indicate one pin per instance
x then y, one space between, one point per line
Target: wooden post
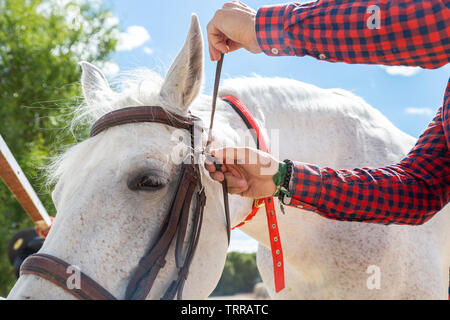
17 182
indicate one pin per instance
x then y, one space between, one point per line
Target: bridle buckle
258 203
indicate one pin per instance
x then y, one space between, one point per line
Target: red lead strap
274 233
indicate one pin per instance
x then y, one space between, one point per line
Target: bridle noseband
175 225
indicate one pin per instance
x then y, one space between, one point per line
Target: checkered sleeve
410 192
390 32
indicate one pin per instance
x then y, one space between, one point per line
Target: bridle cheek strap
153 261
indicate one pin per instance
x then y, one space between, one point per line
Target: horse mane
294 96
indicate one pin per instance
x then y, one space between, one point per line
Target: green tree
41 43
240 274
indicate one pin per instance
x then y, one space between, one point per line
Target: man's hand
232 28
249 172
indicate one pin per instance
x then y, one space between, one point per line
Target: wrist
279 177
282 178
255 48
270 28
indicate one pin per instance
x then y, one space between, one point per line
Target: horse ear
184 78
93 83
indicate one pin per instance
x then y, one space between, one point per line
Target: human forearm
410 192
385 195
410 32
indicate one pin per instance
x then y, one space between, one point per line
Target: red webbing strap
256 205
274 234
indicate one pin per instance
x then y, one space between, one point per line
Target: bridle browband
175 225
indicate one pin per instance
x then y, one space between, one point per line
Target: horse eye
148 182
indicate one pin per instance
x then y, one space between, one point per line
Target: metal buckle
258 204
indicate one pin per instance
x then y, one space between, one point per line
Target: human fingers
233 46
235 4
217 176
210 167
217 40
232 155
230 4
235 184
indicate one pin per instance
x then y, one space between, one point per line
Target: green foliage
40 47
239 275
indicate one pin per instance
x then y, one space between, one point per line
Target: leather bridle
175 226
189 186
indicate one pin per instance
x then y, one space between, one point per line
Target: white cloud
133 38
401 70
420 111
111 21
148 50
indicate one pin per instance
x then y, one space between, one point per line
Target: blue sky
154 31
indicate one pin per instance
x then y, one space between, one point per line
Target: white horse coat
104 228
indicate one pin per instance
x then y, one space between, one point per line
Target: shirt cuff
271 33
305 187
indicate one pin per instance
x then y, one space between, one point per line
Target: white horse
104 228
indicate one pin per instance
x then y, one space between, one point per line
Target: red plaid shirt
413 33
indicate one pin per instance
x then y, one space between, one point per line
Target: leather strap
214 98
151 263
142 114
208 144
56 271
177 285
274 233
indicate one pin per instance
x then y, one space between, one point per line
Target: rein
208 144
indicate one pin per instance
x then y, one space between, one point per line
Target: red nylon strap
274 234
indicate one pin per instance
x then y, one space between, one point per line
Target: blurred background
42 41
